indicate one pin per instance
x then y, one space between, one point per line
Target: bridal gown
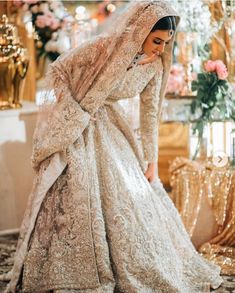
139 242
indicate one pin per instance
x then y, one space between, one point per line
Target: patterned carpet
7 250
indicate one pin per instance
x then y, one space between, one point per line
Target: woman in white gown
98 220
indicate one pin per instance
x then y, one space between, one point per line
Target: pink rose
42 21
176 80
54 24
221 70
177 69
223 74
210 66
47 20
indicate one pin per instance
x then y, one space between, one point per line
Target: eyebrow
162 39
159 39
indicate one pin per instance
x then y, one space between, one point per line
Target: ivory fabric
93 221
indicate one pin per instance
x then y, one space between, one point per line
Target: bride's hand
150 174
148 59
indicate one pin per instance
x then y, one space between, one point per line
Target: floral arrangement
176 81
49 18
196 17
214 100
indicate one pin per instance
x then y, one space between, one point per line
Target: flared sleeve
69 78
61 123
150 111
65 124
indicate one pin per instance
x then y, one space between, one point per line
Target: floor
7 249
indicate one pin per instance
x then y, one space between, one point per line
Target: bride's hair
165 23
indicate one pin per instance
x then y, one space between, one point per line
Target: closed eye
157 42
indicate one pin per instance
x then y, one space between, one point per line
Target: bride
98 219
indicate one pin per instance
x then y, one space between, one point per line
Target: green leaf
201 94
194 86
226 86
193 108
201 77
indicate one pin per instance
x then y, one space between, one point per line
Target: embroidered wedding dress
94 224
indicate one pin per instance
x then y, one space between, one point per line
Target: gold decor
223 43
173 142
192 183
13 66
26 35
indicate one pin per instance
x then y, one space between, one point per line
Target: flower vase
199 144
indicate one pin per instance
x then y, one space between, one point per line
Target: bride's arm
149 119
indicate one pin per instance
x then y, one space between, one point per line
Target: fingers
148 59
147 174
150 173
150 176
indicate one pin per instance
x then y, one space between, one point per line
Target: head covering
120 44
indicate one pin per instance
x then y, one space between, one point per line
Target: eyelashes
159 42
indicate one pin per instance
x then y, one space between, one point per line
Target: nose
161 48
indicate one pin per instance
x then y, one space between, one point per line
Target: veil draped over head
99 62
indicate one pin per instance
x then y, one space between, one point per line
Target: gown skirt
140 243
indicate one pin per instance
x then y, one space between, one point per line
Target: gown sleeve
66 123
149 117
62 124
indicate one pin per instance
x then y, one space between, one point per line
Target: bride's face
156 42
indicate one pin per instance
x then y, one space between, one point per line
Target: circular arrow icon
220 159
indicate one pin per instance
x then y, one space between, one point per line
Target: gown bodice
134 81
143 80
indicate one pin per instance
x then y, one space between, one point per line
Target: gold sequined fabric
93 221
192 180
